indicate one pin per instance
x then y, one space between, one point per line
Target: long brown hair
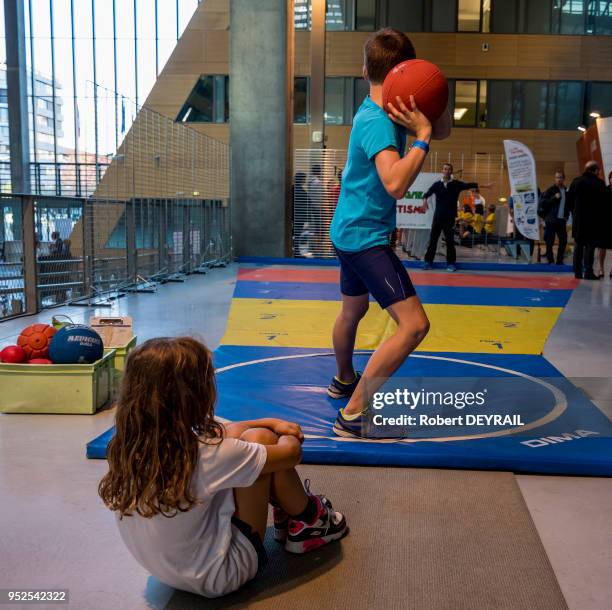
165 411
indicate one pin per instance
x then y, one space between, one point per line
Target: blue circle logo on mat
76 344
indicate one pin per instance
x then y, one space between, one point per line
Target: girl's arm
278 426
286 454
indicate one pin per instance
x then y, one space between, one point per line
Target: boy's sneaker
426 266
281 524
451 268
328 525
351 428
339 389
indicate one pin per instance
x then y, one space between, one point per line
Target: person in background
316 196
301 209
474 198
490 221
464 220
447 191
586 198
554 211
478 219
56 246
605 240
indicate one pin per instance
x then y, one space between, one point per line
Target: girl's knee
263 436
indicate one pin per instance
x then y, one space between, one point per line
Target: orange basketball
422 79
35 339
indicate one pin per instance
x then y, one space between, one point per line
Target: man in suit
586 197
554 210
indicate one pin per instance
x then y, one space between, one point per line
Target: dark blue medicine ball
76 344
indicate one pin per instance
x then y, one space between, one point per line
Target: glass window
186 8
361 90
466 96
301 12
365 15
502 105
145 22
105 78
504 16
443 15
469 16
482 104
403 17
335 102
600 99
565 105
208 102
338 15
533 104
538 14
599 17
568 17
166 30
300 99
486 16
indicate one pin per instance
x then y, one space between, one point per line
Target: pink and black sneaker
328 525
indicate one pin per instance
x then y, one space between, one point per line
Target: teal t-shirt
365 214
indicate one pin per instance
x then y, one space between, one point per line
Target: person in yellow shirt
478 221
490 223
464 219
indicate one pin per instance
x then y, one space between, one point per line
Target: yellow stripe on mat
454 328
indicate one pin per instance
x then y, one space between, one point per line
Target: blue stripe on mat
332 262
450 295
290 384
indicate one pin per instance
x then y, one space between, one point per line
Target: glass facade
581 17
91 64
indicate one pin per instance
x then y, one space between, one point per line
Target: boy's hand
285 428
410 118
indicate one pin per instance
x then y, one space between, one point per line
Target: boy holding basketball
377 174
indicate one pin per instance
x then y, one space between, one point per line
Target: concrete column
17 95
260 125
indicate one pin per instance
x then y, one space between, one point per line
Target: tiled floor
56 533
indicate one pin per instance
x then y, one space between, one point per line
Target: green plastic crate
57 388
121 353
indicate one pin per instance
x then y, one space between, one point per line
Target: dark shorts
376 270
254 539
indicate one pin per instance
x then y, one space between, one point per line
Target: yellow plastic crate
57 388
121 353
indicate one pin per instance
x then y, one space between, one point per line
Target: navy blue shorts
376 270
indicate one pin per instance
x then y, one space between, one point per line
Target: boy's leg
412 327
345 331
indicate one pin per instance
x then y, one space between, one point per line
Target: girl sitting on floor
191 495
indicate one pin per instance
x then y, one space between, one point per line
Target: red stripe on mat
419 278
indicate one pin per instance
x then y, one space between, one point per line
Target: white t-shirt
200 550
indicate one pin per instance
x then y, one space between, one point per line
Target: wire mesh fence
317 183
157 211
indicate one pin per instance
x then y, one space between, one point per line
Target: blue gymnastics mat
560 430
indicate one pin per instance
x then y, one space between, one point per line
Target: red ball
422 79
40 361
13 354
35 340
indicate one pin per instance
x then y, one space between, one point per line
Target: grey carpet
420 539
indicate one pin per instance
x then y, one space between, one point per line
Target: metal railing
316 188
157 212
86 250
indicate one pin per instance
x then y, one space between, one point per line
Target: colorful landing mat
488 332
